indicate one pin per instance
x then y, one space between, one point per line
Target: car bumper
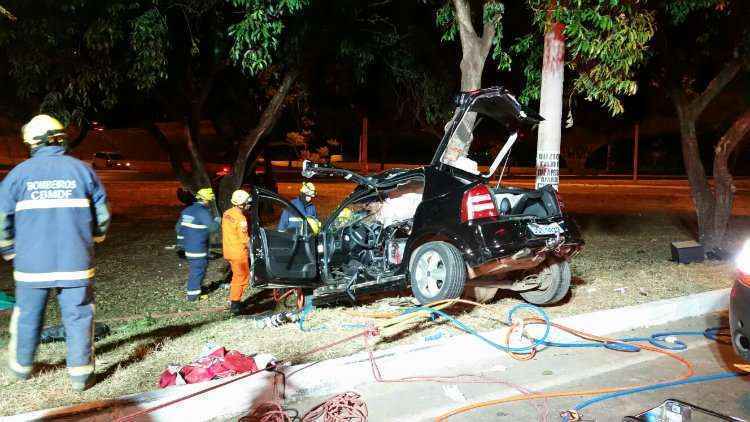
502 246
739 318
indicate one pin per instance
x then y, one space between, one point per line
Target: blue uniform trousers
77 311
197 268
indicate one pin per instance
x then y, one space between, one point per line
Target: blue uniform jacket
52 208
288 220
194 230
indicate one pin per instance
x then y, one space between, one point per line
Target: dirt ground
140 294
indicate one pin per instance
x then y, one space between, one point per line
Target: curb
340 374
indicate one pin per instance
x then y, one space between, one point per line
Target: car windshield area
384 207
480 135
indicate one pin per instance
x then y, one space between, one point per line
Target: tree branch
4 11
488 34
465 27
736 133
717 84
267 120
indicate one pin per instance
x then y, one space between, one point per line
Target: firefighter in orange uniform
235 243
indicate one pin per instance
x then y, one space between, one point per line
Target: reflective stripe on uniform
195 255
6 243
180 237
13 345
194 226
31 204
295 219
193 292
54 276
78 371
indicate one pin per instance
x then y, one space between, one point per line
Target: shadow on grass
157 335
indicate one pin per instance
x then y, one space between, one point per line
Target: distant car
440 228
739 305
111 161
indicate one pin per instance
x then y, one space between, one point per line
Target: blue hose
691 380
467 329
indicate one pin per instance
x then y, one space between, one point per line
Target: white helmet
240 197
42 129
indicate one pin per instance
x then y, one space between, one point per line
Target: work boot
82 383
235 307
192 298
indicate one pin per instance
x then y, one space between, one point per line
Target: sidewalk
558 369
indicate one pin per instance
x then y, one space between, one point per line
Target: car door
280 257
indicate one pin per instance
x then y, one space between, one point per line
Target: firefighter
235 243
303 204
194 233
52 209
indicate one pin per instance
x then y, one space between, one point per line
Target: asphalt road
138 193
152 195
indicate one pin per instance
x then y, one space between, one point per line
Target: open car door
281 255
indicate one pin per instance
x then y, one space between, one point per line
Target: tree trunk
185 180
712 209
474 48
199 173
724 188
267 121
701 192
550 107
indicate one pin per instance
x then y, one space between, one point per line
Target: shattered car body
440 228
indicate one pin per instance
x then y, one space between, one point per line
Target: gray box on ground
687 252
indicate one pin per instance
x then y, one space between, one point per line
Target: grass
140 294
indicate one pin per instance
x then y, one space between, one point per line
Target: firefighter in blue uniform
194 232
52 209
303 204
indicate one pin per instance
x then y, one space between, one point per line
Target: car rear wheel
554 283
437 272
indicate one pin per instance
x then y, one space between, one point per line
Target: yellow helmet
240 197
314 224
308 189
42 129
205 194
345 214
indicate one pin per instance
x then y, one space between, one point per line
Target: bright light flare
743 259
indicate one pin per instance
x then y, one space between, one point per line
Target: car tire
436 272
555 283
481 294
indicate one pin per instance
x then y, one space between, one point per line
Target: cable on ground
692 380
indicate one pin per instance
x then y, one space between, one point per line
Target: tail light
477 203
743 264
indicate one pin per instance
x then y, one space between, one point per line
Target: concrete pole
550 107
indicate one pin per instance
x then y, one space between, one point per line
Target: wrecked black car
441 228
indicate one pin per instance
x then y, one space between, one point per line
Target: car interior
369 234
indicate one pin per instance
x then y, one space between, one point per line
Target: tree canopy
606 41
